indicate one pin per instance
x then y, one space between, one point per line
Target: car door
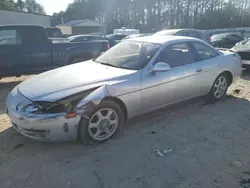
181 82
36 51
207 62
10 51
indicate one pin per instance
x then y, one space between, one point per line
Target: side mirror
160 67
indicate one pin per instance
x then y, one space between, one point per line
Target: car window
177 55
235 37
82 39
204 51
119 37
9 37
181 33
37 35
193 34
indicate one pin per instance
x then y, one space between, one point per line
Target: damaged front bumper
42 127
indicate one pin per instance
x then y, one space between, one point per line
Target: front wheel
219 88
106 120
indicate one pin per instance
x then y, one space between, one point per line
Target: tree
33 7
152 15
20 5
7 5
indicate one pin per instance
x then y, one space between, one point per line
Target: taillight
107 46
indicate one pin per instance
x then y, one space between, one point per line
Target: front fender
89 103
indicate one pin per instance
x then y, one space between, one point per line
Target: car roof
160 39
174 31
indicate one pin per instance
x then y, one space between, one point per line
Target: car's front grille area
244 55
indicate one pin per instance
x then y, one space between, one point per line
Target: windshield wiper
103 63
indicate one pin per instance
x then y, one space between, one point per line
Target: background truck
28 50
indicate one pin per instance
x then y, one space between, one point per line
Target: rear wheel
219 88
106 120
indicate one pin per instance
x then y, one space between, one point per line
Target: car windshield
247 42
129 55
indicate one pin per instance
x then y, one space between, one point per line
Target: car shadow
149 123
246 75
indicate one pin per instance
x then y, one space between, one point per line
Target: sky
52 6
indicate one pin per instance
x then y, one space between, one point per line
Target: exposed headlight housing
65 105
47 108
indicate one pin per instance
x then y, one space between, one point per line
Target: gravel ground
209 148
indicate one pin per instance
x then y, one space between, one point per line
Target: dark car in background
115 38
92 37
83 38
26 49
225 40
186 32
243 49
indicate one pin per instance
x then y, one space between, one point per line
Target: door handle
199 70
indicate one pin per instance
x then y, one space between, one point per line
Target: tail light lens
107 46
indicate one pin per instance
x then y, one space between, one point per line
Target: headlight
65 105
45 107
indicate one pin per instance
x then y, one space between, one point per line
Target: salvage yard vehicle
92 100
243 49
225 40
199 34
28 50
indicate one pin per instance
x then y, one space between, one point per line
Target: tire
87 135
218 91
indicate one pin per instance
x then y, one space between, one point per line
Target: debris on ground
18 146
153 132
167 151
160 154
237 164
237 91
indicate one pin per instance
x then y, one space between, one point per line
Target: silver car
92 100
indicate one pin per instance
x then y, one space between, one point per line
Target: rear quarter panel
231 61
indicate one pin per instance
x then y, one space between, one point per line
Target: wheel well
121 104
230 77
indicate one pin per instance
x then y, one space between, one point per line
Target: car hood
62 82
241 48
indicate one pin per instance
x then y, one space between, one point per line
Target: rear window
204 51
54 33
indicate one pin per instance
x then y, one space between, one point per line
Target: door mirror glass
161 67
